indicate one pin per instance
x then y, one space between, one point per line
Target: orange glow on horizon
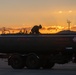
44 30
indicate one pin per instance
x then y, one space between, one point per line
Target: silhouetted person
35 29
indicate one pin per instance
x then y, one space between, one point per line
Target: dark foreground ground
66 69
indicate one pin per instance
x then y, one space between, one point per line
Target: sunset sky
23 13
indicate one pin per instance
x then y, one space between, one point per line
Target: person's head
40 26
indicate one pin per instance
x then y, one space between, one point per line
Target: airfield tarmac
66 69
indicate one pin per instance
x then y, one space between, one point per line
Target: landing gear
16 62
32 62
47 64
